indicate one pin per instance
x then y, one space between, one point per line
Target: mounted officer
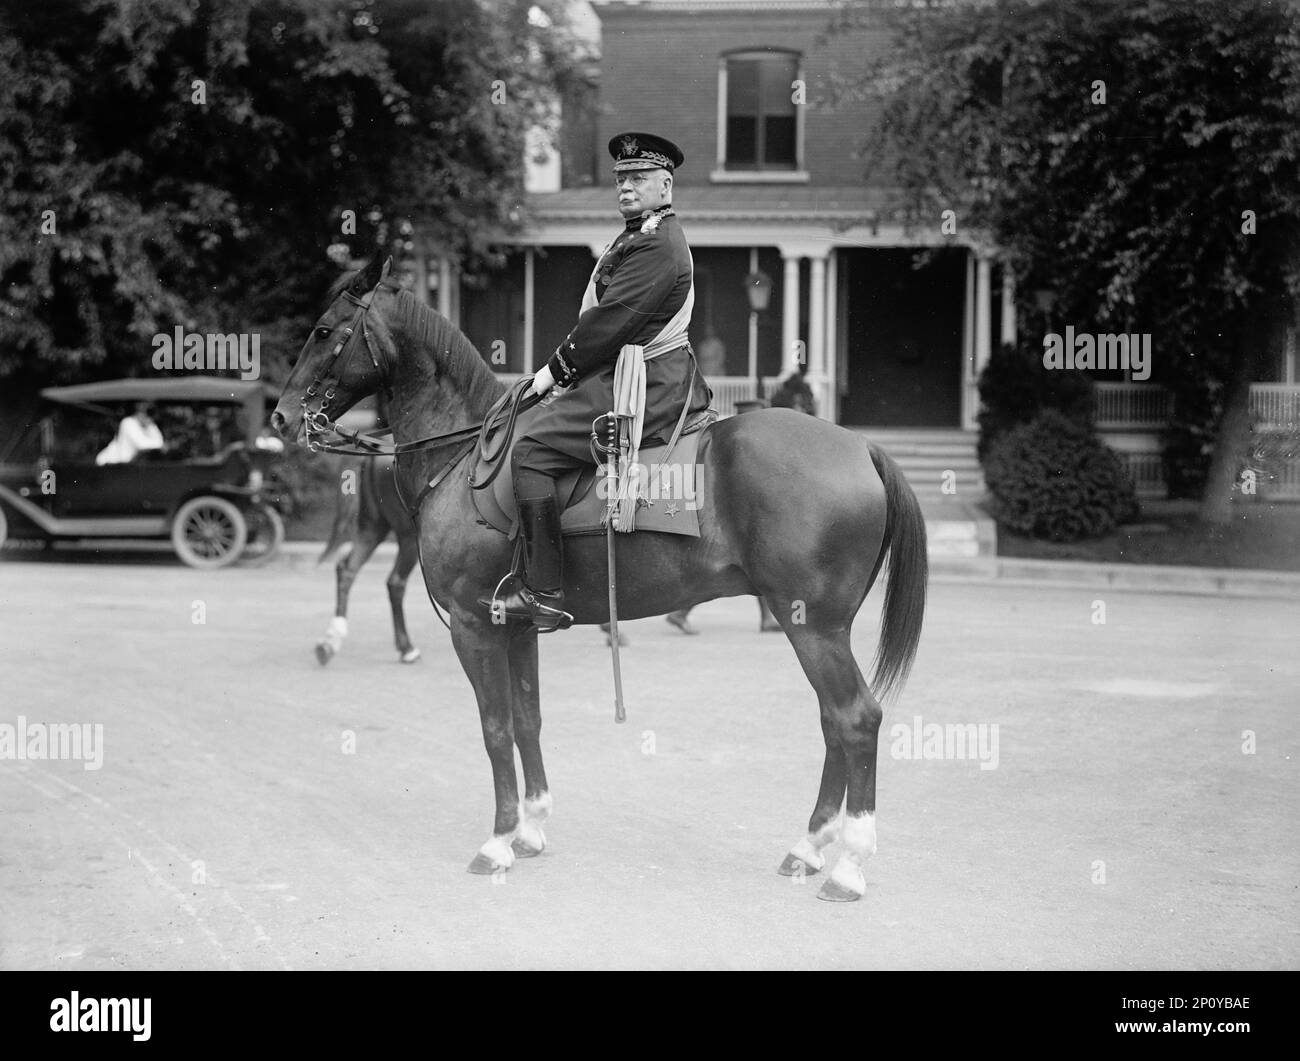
640 295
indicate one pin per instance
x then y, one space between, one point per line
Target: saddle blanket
671 493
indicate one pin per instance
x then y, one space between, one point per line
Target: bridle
321 430
318 422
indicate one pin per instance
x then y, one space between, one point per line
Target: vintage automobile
211 489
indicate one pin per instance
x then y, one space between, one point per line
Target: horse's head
347 356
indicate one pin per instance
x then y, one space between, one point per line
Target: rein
321 430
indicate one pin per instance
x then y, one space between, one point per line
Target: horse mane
455 354
457 357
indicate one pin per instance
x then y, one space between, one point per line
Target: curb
1151 578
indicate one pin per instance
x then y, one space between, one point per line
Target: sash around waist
680 346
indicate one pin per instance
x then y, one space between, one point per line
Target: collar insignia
652 222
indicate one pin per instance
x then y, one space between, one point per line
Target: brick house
771 185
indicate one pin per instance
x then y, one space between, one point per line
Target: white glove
543 381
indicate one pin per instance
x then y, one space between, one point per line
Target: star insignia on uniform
573 346
672 509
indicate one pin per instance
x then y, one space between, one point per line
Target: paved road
1124 826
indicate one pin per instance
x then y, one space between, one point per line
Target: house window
761 125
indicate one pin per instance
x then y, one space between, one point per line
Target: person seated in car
136 434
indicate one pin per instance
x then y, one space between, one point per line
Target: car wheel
209 532
265 533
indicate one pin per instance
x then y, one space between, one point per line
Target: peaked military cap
632 151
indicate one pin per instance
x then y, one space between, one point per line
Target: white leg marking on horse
860 838
808 849
806 853
860 834
336 632
539 809
498 850
531 815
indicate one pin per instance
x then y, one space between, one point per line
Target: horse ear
388 267
368 278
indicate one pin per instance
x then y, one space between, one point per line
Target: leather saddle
670 499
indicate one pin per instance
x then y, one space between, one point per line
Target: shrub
1015 387
1052 478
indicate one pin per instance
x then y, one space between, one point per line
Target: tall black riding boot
540 597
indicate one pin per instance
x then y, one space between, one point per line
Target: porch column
530 279
969 394
830 361
1008 306
444 287
789 312
983 321
420 271
816 352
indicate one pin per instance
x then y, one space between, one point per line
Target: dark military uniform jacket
641 281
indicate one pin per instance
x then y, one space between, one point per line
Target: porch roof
854 204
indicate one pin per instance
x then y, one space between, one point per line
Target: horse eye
322 332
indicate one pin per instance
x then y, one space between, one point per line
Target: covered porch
822 253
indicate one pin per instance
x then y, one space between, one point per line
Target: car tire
209 532
265 534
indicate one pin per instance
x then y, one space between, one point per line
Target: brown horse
365 516
792 508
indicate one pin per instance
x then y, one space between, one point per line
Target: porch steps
962 538
925 454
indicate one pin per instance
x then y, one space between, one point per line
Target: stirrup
546 617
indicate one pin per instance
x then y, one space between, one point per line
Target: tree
189 162
1140 158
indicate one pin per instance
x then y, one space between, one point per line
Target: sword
611 501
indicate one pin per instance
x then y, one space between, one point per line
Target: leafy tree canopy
189 162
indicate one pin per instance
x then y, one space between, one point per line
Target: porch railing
1275 405
1147 406
1130 406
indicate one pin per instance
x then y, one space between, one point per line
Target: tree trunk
1232 441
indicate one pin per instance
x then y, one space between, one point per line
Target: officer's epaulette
651 223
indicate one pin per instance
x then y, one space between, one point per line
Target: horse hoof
324 653
793 866
837 893
483 866
411 655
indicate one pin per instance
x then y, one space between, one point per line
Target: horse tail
345 515
909 573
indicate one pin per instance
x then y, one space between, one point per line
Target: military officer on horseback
637 305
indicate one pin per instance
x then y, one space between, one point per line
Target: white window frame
721 174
